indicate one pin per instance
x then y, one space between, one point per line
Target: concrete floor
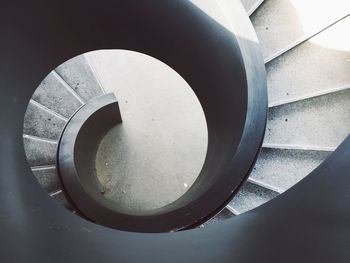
156 154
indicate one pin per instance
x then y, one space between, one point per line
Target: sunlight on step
326 13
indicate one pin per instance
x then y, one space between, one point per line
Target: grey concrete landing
156 154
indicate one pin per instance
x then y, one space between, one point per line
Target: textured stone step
320 65
79 75
283 168
321 121
223 215
39 152
280 23
47 177
42 123
251 196
56 95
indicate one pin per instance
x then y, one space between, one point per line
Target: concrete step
79 75
322 121
59 95
55 94
251 196
283 168
223 215
319 65
278 23
39 152
41 122
59 197
251 5
47 177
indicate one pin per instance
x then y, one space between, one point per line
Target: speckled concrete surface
320 121
283 168
48 178
251 196
52 93
322 63
155 155
41 123
77 73
280 23
39 152
223 215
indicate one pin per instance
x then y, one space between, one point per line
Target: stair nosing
298 147
264 185
233 210
43 167
48 110
255 7
68 87
54 193
36 138
95 73
310 96
303 39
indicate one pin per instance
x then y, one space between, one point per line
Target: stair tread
284 168
223 215
280 23
318 65
61 199
251 196
53 94
41 123
78 74
48 178
39 153
321 121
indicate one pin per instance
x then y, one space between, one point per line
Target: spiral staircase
302 103
307 63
